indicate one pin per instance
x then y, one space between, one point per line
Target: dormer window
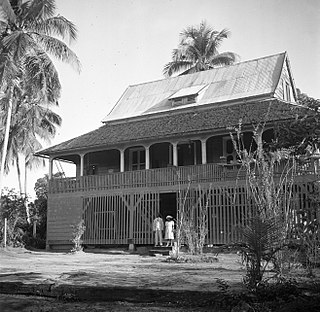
186 95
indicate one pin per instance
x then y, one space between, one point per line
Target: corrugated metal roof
235 82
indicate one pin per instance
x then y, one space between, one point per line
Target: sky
127 42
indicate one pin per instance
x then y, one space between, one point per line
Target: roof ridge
235 64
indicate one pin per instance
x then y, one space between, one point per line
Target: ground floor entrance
168 205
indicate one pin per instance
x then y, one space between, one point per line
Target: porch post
81 164
147 157
50 167
175 154
122 160
204 151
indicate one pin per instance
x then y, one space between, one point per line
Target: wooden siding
285 78
63 213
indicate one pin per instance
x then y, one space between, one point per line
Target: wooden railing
147 178
155 178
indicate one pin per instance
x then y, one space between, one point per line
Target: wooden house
161 139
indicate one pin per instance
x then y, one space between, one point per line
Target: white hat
169 217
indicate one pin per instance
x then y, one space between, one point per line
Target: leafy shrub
78 231
13 209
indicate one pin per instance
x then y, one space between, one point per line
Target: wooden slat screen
116 218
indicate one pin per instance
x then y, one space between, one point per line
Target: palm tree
29 32
198 51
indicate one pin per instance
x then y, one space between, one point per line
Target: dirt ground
111 268
139 276
117 268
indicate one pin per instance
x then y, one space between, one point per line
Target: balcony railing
147 178
154 178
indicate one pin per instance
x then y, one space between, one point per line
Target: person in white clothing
158 228
169 232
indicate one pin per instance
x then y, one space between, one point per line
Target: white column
50 167
204 151
122 160
147 157
175 154
81 165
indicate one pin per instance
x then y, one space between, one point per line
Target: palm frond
18 42
6 11
175 66
40 9
57 25
225 58
42 76
58 49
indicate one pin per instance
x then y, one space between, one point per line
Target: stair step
160 251
161 248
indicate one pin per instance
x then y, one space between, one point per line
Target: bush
34 242
13 209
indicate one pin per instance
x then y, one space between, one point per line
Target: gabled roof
250 91
254 78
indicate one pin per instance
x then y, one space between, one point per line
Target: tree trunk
19 174
25 191
6 138
25 175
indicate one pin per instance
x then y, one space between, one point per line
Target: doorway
168 205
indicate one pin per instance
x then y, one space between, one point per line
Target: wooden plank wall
63 213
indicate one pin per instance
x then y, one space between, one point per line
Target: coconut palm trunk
6 138
19 175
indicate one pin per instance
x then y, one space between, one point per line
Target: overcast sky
125 42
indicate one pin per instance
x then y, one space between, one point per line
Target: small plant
258 249
192 223
78 231
269 193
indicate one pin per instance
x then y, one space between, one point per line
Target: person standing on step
169 235
158 228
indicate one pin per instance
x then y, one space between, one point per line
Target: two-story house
161 139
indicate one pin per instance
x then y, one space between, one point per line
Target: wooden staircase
160 250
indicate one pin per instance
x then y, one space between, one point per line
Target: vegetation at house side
30 33
302 135
21 233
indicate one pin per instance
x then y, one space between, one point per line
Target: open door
168 205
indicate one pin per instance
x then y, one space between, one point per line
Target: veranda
118 208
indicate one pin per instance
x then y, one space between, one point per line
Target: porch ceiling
178 124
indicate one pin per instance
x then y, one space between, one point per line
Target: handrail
158 177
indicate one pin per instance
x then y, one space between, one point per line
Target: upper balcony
148 178
161 177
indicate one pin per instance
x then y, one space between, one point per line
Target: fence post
5 232
34 232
